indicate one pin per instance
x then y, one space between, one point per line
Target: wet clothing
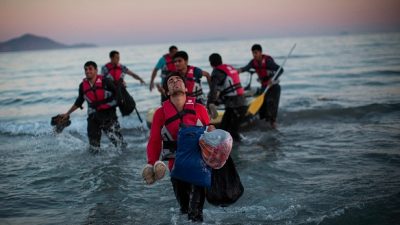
232 119
266 69
269 108
235 106
155 143
100 118
106 121
190 197
114 72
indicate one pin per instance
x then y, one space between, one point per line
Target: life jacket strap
179 115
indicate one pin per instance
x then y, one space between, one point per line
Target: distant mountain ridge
32 42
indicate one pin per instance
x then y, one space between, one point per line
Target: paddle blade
256 104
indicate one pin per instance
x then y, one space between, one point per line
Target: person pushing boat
265 67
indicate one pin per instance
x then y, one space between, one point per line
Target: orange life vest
169 64
97 97
193 86
232 85
261 69
115 71
173 121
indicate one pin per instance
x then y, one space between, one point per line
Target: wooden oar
256 104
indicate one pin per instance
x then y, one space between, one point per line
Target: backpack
189 165
125 101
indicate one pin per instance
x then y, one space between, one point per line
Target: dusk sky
109 22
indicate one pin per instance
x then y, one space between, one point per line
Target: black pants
269 108
106 121
232 119
190 198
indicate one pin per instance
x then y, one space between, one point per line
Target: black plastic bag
226 187
125 101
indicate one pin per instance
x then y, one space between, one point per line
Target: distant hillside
33 42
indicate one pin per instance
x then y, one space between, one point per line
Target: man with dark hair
176 110
166 65
99 93
192 75
265 67
226 87
116 71
256 47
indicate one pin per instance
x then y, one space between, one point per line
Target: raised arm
134 75
153 76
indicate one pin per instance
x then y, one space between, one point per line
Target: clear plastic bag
215 147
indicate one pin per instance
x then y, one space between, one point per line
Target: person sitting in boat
116 71
179 108
99 93
265 67
166 65
192 75
225 85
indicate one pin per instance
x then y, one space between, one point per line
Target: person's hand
151 86
64 116
212 109
273 82
210 128
142 82
160 89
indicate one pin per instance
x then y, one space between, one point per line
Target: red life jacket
169 63
261 69
115 71
193 87
173 120
97 97
232 85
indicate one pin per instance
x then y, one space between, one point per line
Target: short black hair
172 47
113 52
215 59
256 47
171 74
90 63
181 54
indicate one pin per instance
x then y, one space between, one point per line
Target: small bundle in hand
215 147
152 173
60 123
